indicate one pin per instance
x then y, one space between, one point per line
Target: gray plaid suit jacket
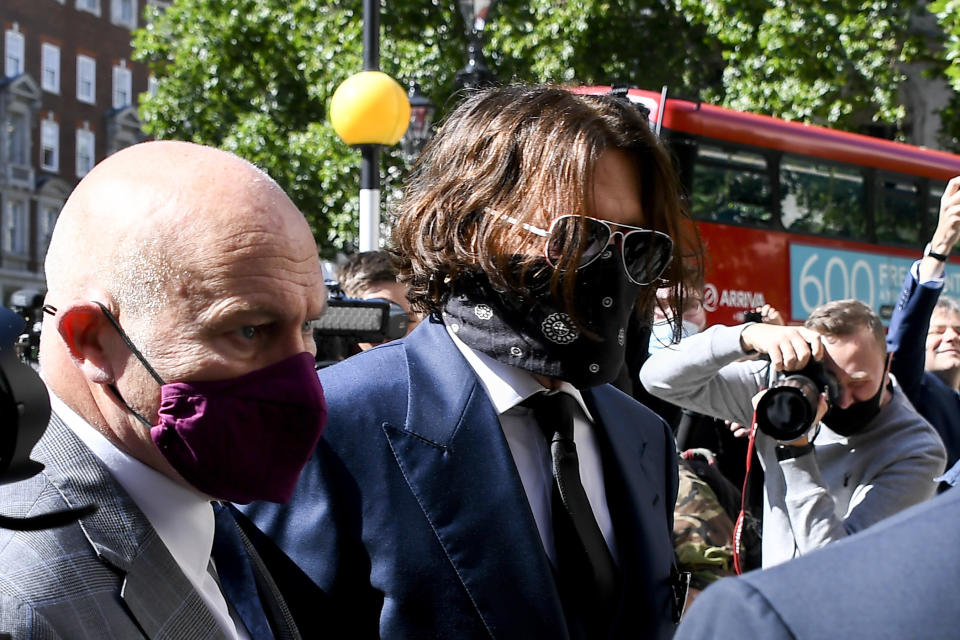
107 576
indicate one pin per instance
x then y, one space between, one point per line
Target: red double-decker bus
797 215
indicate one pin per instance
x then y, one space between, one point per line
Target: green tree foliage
834 62
948 16
256 76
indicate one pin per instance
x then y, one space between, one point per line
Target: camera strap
741 517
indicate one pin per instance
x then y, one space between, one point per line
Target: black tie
586 573
235 571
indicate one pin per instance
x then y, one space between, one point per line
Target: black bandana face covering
537 336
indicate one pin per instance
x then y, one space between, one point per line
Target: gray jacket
846 485
107 576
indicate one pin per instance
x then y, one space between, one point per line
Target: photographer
866 454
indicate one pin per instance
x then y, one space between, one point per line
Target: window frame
86 62
88 6
122 79
10 37
15 237
48 54
46 127
84 136
116 17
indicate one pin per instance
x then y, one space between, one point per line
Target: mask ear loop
139 356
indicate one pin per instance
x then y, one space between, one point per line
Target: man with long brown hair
448 500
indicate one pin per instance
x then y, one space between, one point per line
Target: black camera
24 413
788 410
349 321
374 320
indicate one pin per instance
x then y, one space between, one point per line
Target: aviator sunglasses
646 253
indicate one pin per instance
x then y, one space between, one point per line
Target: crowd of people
558 443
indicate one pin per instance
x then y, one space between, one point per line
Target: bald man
178 355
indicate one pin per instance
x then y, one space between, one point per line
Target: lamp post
476 74
370 109
421 117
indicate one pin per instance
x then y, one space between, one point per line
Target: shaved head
138 213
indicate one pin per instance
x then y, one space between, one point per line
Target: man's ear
81 325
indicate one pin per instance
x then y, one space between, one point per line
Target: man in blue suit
533 227
924 334
895 580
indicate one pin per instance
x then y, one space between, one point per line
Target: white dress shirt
182 517
507 387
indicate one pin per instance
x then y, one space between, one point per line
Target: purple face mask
241 439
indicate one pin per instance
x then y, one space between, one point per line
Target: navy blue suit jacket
898 579
906 337
413 519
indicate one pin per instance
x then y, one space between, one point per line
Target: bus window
822 198
731 186
901 210
935 189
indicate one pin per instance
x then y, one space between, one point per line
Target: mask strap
139 356
116 394
129 343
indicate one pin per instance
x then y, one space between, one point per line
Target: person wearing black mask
534 225
869 455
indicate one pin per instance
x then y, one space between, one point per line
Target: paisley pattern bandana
536 335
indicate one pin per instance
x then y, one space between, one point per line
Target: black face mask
854 418
537 336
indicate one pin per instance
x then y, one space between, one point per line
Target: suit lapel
456 461
156 592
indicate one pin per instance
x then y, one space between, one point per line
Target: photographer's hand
789 347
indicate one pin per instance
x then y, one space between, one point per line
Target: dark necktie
586 573
235 571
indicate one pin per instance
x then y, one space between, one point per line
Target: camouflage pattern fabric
702 530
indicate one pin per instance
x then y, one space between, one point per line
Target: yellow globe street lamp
370 109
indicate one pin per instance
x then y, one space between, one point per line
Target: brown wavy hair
528 153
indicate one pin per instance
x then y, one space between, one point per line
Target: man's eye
249 332
307 327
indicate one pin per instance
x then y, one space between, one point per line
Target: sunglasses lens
646 254
568 237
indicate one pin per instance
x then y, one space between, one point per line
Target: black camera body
349 321
788 410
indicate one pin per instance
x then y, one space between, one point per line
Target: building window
91 6
48 218
13 48
18 138
122 86
15 227
85 151
124 13
50 145
50 75
86 79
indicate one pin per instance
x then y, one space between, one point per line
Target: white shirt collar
182 517
508 386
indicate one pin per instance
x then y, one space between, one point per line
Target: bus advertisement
796 215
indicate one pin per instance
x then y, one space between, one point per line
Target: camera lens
786 413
